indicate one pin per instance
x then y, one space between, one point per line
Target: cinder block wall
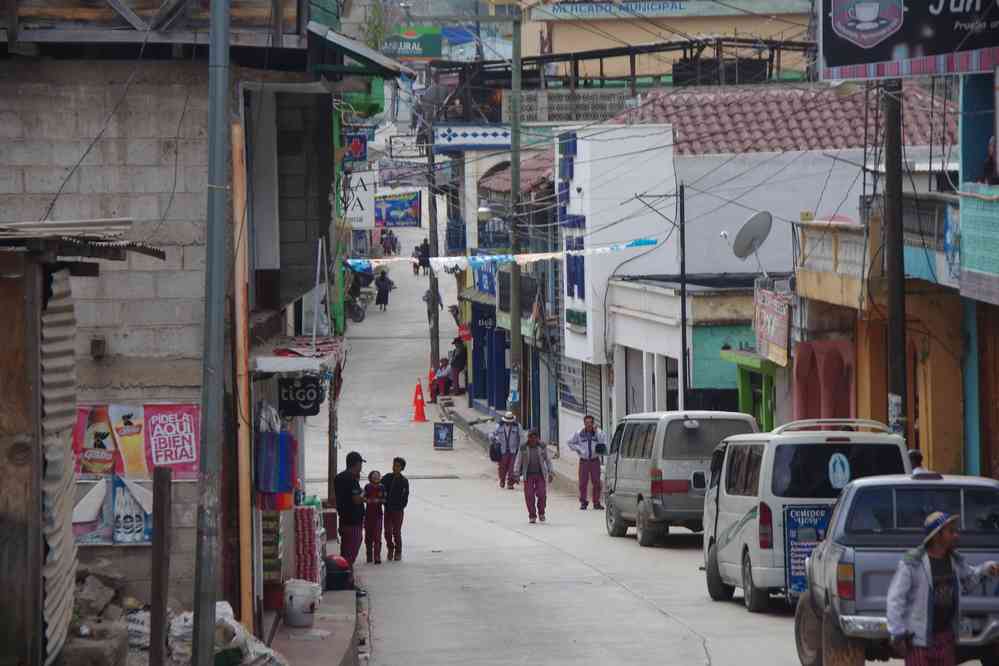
150 164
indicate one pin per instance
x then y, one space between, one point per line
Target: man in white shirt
507 436
589 443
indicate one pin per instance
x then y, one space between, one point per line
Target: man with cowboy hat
924 599
507 438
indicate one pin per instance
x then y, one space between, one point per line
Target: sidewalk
478 426
329 641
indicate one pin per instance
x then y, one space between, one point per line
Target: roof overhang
101 239
360 52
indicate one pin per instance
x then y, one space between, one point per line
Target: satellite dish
752 235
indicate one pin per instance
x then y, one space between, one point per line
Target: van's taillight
667 486
766 527
844 581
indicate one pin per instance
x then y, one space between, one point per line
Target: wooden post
242 349
633 81
162 522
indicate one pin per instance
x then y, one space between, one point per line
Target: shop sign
399 210
414 42
979 234
771 324
359 199
878 39
804 527
132 440
443 436
355 147
300 396
631 9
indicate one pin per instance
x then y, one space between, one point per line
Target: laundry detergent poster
132 440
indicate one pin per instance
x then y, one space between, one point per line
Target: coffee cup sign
300 396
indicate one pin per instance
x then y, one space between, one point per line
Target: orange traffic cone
419 415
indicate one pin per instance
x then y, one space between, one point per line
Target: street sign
879 39
443 436
299 396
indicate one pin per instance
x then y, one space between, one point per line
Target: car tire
616 527
837 648
648 535
755 599
808 632
718 590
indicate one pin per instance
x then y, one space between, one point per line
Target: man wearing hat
924 599
350 507
507 436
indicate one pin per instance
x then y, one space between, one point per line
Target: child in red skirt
373 517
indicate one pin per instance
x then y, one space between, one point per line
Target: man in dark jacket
396 498
350 507
459 359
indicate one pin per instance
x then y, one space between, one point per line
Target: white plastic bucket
301 598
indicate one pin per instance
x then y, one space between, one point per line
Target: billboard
414 42
399 210
359 199
876 39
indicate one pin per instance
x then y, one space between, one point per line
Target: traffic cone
419 415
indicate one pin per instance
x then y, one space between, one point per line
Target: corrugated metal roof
58 359
77 238
358 50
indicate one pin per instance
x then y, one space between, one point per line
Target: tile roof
536 169
713 120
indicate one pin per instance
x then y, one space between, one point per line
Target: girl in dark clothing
425 256
384 285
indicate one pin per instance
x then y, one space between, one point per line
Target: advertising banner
131 440
400 173
771 324
876 39
804 527
414 42
398 210
979 234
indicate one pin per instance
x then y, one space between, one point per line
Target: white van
657 469
770 494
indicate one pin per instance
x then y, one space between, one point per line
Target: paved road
480 585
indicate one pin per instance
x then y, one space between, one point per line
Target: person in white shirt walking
589 443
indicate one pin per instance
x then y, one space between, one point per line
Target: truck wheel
616 527
756 600
808 632
837 648
648 534
717 589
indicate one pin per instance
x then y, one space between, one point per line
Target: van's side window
650 440
717 458
616 442
735 472
628 440
753 465
638 440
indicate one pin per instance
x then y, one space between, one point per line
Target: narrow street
480 584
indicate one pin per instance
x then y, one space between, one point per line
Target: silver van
657 469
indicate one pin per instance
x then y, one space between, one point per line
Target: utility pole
479 53
682 402
435 343
895 256
516 340
213 374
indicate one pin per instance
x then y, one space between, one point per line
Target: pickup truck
841 618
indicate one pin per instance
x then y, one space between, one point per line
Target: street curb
563 482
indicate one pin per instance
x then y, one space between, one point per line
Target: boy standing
396 491
373 496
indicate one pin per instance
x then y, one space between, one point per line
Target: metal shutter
593 392
58 416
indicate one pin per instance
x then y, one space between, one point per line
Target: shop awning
749 360
297 356
360 52
475 296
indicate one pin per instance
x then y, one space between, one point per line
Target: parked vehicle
657 469
842 616
770 495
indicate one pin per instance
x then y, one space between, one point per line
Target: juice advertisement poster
93 442
173 438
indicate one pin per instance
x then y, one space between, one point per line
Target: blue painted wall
709 370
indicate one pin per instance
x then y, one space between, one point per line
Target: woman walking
383 285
